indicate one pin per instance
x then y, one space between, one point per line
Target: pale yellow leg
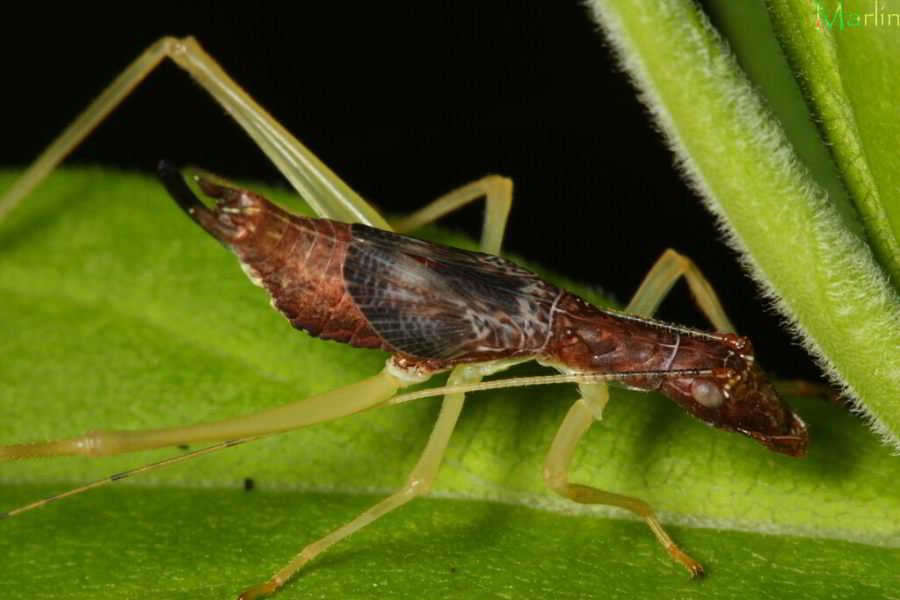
589 408
660 279
319 186
345 401
556 471
497 192
417 483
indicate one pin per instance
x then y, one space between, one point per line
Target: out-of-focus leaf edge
818 275
809 43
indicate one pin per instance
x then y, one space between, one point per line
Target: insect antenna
437 391
513 382
130 473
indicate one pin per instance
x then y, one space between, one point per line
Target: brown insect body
435 307
737 397
298 260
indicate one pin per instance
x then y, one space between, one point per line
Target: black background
405 101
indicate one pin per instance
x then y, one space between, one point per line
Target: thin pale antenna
437 391
130 473
549 380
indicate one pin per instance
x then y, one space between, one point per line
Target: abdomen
299 261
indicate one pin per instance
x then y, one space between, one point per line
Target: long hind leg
325 192
418 482
498 192
331 405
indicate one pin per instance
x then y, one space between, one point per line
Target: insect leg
497 192
344 401
660 279
328 195
654 288
418 482
556 471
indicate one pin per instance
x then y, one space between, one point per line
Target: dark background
405 102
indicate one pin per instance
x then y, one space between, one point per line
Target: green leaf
118 312
798 242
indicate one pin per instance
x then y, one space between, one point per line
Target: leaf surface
117 312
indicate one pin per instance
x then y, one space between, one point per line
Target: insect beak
793 444
178 189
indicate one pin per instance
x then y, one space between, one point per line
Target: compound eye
707 394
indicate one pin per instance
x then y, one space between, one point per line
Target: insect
435 309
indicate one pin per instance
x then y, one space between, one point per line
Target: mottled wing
435 302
